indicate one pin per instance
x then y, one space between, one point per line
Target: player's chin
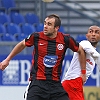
45 33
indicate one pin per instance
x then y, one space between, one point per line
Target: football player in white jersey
72 81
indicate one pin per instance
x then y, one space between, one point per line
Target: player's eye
49 24
97 32
90 31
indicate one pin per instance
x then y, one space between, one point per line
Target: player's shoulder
68 35
85 42
60 34
37 34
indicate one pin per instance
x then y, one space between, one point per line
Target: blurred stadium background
19 18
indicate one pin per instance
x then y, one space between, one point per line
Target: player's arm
17 49
76 47
82 59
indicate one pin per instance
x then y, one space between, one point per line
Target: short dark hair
57 19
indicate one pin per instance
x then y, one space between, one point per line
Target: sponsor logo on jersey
49 60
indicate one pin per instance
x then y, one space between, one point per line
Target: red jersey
49 54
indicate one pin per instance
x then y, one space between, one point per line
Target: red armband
83 71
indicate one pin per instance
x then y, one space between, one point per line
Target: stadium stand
4 18
17 18
13 28
39 27
8 4
20 37
32 18
74 20
3 10
61 29
8 37
80 37
2 29
27 28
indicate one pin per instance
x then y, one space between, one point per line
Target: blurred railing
6 47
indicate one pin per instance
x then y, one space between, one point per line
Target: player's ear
57 28
86 35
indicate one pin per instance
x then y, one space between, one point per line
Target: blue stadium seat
13 29
9 5
39 27
2 29
3 10
21 37
61 29
32 18
8 37
0 39
11 11
4 18
17 18
28 28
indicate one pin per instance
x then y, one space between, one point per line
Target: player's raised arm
17 49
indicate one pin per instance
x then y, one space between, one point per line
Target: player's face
49 29
93 35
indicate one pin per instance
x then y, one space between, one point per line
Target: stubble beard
94 43
50 34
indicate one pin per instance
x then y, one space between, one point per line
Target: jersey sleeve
29 41
89 49
73 45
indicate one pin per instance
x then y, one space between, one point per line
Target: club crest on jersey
60 46
50 60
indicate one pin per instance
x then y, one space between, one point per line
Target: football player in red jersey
50 46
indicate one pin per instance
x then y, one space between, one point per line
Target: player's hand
83 78
4 64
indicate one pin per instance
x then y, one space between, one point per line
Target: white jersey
92 57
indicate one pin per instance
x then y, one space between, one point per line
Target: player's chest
50 47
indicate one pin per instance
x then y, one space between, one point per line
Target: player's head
93 34
57 20
51 25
